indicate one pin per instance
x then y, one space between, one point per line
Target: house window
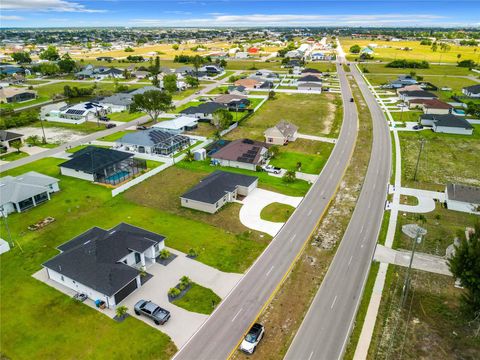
157 247
61 277
216 204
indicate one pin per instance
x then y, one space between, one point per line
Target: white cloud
247 20
46 5
11 17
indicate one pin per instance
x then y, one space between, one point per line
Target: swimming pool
117 177
459 112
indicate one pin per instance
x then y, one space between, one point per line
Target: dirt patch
53 134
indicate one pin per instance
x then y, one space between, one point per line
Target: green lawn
50 90
277 212
433 70
17 105
53 320
12 156
310 163
413 116
87 127
298 188
125 116
314 114
186 106
116 136
183 94
218 90
227 74
188 148
199 299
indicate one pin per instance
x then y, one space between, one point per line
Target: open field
431 325
50 90
314 114
446 158
87 127
374 68
199 299
125 116
312 161
277 212
389 50
443 226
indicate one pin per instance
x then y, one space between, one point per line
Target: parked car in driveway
142 127
109 126
271 169
418 127
253 337
159 315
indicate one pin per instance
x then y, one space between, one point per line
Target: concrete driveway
182 324
255 202
426 200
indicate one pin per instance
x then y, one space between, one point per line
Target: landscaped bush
466 64
192 253
164 254
408 64
21 118
173 292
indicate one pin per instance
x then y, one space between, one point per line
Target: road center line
236 314
293 237
311 355
269 271
361 230
333 303
310 212
349 261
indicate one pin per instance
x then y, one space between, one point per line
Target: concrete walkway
317 138
253 205
421 261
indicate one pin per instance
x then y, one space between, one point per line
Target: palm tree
189 156
121 311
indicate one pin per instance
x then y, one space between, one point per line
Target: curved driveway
326 328
223 330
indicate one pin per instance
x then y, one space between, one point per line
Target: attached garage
127 290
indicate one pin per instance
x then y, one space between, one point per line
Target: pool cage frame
130 166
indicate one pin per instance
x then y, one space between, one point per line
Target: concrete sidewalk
317 138
421 261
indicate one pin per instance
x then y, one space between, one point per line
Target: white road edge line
311 355
349 261
236 314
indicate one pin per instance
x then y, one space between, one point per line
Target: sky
238 13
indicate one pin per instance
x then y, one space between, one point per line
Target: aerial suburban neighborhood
239 180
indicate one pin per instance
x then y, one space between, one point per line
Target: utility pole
43 131
422 144
416 233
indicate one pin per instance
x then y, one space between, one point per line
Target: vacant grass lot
125 116
312 162
199 299
388 50
115 136
50 90
314 114
87 127
433 70
446 158
430 326
277 212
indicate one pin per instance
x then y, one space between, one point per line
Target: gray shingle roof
464 193
92 257
214 186
8 135
474 89
204 108
16 189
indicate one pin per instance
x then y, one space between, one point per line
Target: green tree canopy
222 118
22 57
50 53
152 102
355 49
67 64
465 266
170 83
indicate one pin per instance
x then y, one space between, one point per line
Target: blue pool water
459 112
118 176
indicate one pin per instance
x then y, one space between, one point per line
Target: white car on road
249 344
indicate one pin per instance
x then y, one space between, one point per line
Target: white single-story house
178 125
121 101
106 265
281 134
218 189
416 94
73 114
4 246
447 123
7 137
472 91
464 198
242 153
431 106
23 192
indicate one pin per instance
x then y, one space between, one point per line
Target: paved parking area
255 202
182 324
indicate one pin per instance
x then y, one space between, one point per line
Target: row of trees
408 64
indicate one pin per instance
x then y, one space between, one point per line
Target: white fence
230 128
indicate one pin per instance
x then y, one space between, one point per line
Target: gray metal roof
464 193
16 189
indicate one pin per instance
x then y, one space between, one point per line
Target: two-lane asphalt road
326 328
226 326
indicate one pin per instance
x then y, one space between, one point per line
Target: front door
137 258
